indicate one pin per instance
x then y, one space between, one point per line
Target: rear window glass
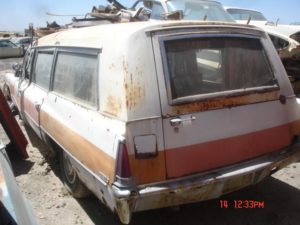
76 77
199 66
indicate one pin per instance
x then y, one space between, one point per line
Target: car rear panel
237 112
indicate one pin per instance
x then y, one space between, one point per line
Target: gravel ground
39 180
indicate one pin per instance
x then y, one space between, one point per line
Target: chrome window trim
33 75
77 51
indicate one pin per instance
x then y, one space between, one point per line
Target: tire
70 178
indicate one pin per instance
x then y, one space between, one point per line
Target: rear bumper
203 186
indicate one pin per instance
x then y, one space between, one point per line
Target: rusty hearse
160 113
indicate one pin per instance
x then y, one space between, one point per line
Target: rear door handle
178 120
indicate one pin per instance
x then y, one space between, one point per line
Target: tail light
123 165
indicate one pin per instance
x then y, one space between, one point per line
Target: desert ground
39 179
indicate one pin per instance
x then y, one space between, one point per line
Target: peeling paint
225 102
134 88
113 106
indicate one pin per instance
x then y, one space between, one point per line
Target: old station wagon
160 113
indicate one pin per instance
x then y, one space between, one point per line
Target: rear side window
202 66
42 70
76 77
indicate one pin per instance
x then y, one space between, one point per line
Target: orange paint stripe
225 102
87 153
147 171
210 155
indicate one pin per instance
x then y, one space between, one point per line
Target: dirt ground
39 180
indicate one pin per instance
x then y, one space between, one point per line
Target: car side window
75 77
42 69
6 44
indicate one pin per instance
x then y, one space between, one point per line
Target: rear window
76 77
214 65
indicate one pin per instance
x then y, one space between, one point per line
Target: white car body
161 113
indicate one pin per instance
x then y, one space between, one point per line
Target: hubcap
69 170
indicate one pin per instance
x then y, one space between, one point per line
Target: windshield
200 10
15 41
7 43
242 14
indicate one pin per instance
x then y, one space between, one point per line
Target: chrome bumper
203 186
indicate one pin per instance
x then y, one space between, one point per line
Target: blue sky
15 15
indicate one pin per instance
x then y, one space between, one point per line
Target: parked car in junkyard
182 111
23 42
190 9
9 49
244 15
256 18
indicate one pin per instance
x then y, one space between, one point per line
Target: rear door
39 87
219 99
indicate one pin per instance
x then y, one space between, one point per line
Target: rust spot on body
225 102
112 66
295 128
135 94
148 170
113 106
134 88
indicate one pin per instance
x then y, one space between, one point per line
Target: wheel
70 178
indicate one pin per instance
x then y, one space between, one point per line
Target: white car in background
191 10
23 42
9 49
256 18
243 15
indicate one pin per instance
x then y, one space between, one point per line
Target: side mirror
17 68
